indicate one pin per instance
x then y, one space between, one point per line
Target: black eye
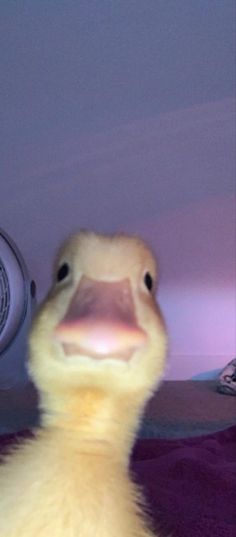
148 281
63 272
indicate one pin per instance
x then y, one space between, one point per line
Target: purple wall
122 116
196 246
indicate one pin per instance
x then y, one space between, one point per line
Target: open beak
100 321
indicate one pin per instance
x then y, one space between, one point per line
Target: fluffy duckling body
97 352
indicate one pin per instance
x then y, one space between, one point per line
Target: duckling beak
100 321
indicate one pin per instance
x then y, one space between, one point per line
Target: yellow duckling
97 352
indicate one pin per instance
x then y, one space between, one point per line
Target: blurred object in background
17 303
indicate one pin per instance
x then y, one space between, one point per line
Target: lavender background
120 115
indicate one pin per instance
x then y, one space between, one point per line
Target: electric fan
17 302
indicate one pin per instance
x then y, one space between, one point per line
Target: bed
184 458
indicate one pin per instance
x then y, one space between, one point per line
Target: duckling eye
63 272
148 281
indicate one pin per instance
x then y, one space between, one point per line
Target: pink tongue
100 321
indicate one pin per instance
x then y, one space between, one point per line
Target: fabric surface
188 408
190 484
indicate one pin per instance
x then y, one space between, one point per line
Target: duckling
97 352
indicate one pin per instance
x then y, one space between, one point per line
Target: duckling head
100 326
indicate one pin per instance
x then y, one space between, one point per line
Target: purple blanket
190 484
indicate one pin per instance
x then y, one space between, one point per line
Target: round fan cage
17 301
4 296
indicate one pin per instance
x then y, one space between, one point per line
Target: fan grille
4 296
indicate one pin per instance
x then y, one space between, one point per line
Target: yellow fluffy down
72 479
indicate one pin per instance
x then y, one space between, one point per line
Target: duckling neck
94 420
